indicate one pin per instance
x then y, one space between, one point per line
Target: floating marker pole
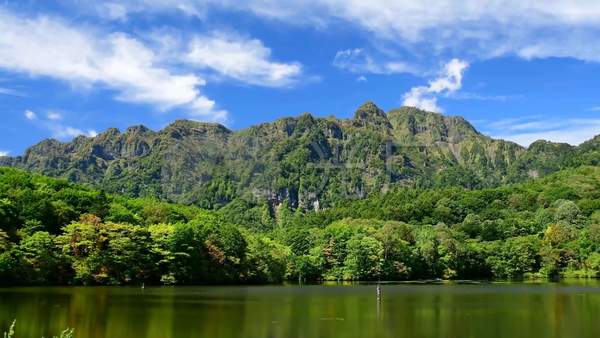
378 302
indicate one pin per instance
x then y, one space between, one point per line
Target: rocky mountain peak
183 128
109 133
137 130
543 146
368 114
206 163
430 126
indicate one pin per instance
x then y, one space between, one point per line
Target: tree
4 242
266 260
364 260
514 257
397 256
108 253
555 252
471 225
119 213
10 267
8 216
42 262
161 246
207 251
568 212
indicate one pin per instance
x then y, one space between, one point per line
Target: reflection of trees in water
515 310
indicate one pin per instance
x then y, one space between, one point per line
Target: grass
67 333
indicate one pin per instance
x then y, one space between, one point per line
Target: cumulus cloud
159 69
48 46
425 97
30 115
204 106
246 60
358 61
3 153
526 130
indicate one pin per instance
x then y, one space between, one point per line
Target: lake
486 310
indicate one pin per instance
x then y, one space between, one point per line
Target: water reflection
487 310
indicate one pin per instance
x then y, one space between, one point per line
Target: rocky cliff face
306 160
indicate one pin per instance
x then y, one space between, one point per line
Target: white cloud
9 91
121 9
154 71
480 97
57 130
3 153
358 61
30 115
362 78
204 106
47 46
425 97
112 11
65 132
524 28
526 130
54 116
246 60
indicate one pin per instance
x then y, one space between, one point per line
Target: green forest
56 232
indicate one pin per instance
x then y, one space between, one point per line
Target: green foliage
208 251
266 260
55 232
40 260
108 253
53 203
67 333
11 330
364 259
568 212
312 162
514 257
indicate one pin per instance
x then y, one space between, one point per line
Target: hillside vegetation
313 163
56 232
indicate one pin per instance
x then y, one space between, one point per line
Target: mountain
305 161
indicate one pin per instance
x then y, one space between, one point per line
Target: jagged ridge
309 161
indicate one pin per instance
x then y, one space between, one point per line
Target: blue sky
519 70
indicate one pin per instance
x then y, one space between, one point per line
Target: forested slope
310 162
56 232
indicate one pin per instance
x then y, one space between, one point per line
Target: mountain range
305 161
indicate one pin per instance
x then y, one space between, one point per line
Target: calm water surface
405 310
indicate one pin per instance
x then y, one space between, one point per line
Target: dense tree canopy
55 232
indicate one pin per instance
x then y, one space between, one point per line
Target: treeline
54 232
545 228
